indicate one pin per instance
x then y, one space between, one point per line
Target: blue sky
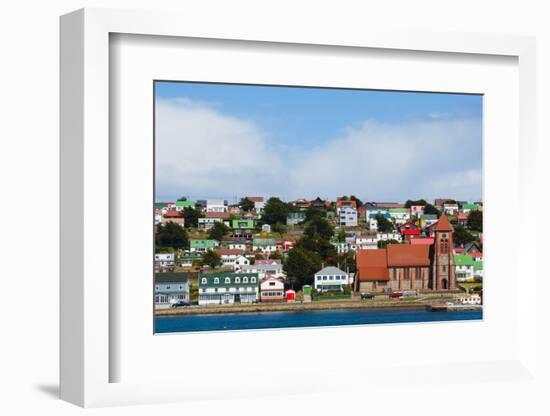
365 133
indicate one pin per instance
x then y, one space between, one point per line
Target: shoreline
287 307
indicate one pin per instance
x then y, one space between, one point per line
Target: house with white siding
264 271
272 290
216 205
170 288
265 245
347 216
331 278
228 288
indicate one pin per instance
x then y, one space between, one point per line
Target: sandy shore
313 306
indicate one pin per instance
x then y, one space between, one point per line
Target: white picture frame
87 308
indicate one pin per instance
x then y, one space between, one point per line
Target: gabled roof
255 198
408 255
330 270
372 265
174 277
443 224
222 215
463 260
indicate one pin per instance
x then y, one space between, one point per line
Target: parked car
396 294
179 304
407 293
367 295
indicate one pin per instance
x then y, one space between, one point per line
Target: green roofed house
181 205
265 245
202 246
170 288
478 270
467 208
187 260
228 288
464 267
242 224
400 215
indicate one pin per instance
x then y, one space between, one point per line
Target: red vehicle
396 294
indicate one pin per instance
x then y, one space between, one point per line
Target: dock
453 308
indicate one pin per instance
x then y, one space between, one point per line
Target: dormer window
227 280
252 280
216 280
203 280
245 279
237 280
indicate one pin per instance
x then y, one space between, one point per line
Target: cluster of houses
420 253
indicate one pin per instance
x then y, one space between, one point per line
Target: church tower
443 273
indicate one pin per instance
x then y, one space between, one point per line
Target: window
324 277
318 277
252 280
227 280
245 279
237 280
203 280
331 278
216 280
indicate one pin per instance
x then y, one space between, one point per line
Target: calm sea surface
265 320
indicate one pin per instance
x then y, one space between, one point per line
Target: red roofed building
417 266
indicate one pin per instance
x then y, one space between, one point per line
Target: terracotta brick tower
443 272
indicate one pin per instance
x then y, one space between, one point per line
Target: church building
409 267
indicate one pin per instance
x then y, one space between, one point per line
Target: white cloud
203 152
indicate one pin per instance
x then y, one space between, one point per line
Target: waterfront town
267 254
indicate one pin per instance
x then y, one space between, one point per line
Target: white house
400 215
236 244
259 202
216 205
228 288
348 217
464 267
450 208
272 290
341 247
389 236
164 260
232 258
331 278
265 245
263 270
368 242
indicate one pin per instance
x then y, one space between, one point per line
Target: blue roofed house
170 288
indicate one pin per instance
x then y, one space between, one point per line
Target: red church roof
373 264
443 224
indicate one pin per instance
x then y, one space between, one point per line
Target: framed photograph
322 212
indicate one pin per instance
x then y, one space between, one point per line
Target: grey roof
263 267
331 270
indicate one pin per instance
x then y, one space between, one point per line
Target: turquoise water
300 319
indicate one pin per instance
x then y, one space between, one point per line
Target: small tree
275 255
246 204
191 216
171 235
475 221
384 243
429 209
212 259
384 225
341 235
218 231
462 236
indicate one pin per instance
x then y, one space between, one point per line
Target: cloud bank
203 152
